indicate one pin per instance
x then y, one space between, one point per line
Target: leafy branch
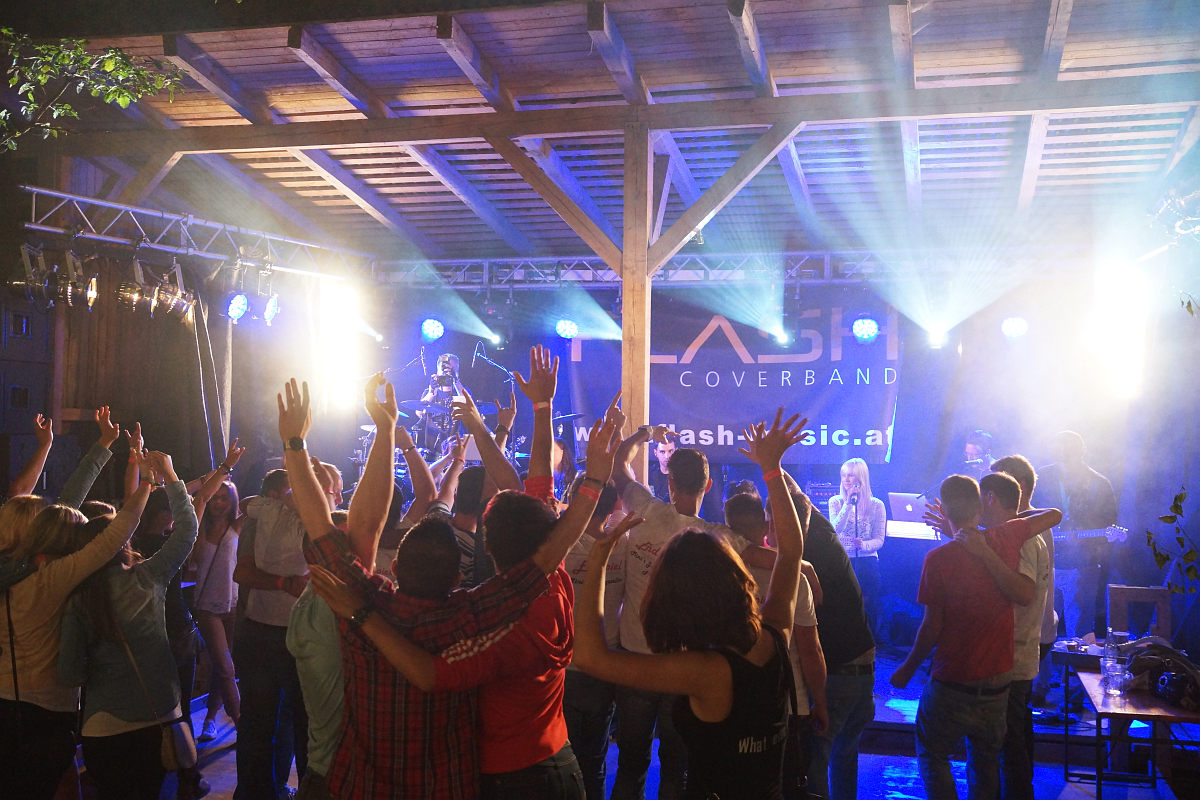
43 75
1184 573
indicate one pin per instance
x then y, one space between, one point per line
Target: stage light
236 305
938 338
432 330
92 293
1014 327
271 309
129 295
566 328
865 329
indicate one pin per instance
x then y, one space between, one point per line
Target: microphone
424 368
974 461
475 355
854 499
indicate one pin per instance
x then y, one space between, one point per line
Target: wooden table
1119 712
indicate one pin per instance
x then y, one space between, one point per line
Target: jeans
36 748
270 689
637 715
588 707
555 778
127 766
1016 759
833 768
944 717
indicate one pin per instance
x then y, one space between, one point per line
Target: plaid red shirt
396 740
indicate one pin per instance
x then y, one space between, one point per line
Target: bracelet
459 459
226 469
588 492
405 451
541 404
280 582
772 475
148 482
596 481
504 428
132 458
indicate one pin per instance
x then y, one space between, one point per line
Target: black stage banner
711 376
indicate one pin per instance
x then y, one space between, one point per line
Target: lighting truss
91 219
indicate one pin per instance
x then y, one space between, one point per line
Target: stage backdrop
710 376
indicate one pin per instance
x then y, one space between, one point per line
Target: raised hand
232 455
43 429
460 447
627 523
295 416
333 590
543 376
935 517
614 407
603 441
766 446
466 412
403 438
161 464
383 413
133 436
109 430
145 466
661 433
505 415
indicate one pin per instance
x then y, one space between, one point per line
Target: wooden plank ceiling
856 180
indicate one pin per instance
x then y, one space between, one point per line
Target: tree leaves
1180 558
43 73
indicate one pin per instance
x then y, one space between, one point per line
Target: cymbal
367 428
418 405
566 417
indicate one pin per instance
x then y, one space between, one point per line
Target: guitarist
1088 504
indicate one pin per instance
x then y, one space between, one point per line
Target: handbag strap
12 645
211 562
138 673
788 677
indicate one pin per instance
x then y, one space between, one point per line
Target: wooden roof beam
563 204
148 178
611 47
1189 133
557 170
754 56
306 48
1056 39
1035 144
905 76
473 63
1141 94
198 65
721 192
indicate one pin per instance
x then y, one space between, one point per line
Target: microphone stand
505 370
855 504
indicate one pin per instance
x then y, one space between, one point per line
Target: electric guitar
1113 533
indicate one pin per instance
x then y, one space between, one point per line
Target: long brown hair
16 517
207 521
700 596
95 592
55 532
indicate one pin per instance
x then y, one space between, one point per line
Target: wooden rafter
721 192
905 76
333 72
1056 39
754 57
1058 20
158 164
1143 94
198 65
565 206
1035 143
1189 134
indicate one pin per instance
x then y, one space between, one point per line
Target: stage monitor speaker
819 494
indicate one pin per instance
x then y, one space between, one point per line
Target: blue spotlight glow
865 329
432 330
236 305
566 328
938 338
1014 327
271 309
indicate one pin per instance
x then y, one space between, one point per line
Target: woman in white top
213 559
860 521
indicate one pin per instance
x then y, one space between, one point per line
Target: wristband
132 458
226 469
499 428
408 449
148 482
459 459
596 481
280 582
772 475
588 492
541 404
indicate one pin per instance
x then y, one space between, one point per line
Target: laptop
907 507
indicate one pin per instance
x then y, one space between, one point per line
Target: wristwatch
360 616
295 443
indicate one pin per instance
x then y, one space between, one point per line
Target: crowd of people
491 637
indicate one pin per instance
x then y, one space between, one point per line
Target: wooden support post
635 284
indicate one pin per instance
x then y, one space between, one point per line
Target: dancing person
38 711
114 643
968 587
711 645
860 521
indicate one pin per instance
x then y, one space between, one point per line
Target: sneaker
208 732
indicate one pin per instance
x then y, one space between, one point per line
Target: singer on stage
435 416
860 521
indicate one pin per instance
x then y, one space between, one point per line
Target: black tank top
740 757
